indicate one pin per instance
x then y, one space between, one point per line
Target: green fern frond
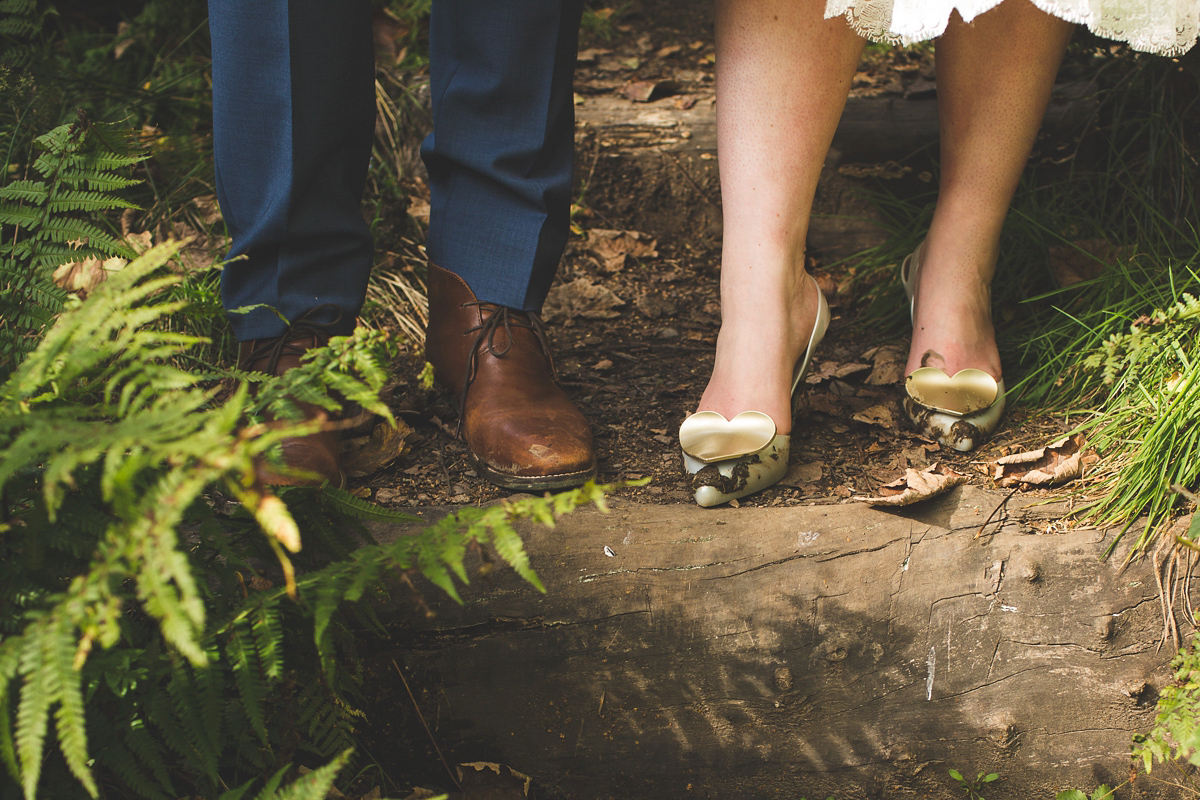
69 718
149 755
355 507
313 786
33 707
248 678
268 640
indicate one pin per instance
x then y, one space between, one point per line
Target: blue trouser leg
293 120
500 156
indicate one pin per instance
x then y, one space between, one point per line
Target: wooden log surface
656 164
808 652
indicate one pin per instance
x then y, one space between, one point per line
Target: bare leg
994 81
783 74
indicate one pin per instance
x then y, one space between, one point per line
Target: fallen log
832 650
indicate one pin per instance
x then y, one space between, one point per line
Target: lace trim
1163 27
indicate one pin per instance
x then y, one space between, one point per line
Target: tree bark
816 651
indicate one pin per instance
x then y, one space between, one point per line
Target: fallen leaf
388 494
654 305
800 475
1056 463
916 485
685 101
602 364
835 369
484 780
590 55
83 276
880 415
914 456
1083 260
382 447
669 50
887 365
612 247
826 403
581 298
645 91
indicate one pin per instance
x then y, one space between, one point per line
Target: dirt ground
634 315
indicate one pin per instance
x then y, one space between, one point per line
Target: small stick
995 511
428 732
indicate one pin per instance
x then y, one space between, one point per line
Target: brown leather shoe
316 453
521 429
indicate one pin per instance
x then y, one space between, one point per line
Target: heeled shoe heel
729 459
959 410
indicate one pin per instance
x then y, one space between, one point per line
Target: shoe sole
562 480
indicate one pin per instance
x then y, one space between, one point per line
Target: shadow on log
811 652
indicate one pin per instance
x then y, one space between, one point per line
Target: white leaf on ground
916 485
1056 463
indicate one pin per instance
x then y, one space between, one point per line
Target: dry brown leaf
654 306
800 475
880 415
685 101
612 247
581 298
645 91
1083 260
484 780
84 276
669 50
1056 463
917 485
590 55
374 452
887 365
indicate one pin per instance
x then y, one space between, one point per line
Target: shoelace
301 328
485 334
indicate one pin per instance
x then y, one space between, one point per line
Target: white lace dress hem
1163 27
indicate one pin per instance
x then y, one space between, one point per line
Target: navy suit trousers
293 120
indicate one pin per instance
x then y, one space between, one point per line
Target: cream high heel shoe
958 411
728 459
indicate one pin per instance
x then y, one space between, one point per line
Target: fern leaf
357 508
239 792
247 678
149 753
509 546
80 200
59 654
23 216
10 654
118 758
268 640
313 786
269 790
38 693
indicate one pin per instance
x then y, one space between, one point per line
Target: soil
633 320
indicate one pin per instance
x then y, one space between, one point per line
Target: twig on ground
996 511
425 725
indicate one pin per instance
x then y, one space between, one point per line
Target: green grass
1117 353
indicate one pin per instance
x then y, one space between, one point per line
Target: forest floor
634 314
